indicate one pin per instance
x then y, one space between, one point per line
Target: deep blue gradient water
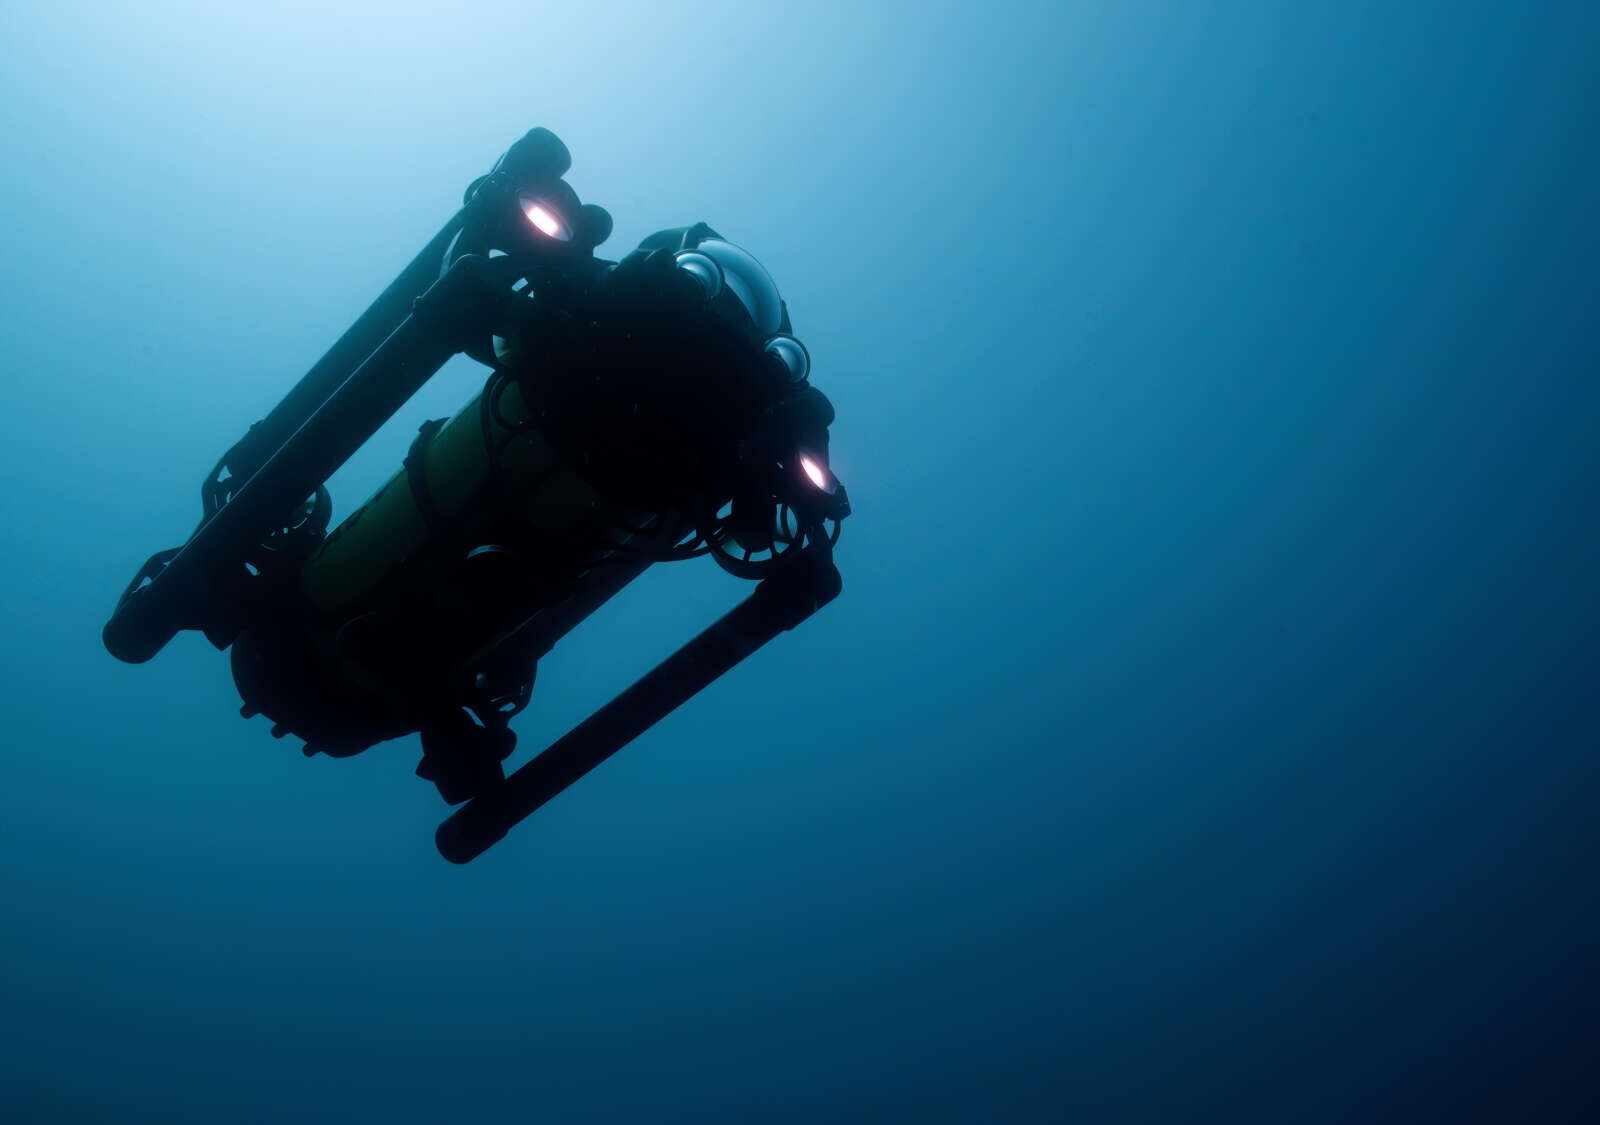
1207 727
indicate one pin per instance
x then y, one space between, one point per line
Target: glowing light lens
818 475
545 220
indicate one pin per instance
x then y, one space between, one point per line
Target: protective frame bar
443 321
780 602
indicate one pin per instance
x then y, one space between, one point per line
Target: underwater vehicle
642 411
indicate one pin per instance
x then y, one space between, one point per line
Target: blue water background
1207 727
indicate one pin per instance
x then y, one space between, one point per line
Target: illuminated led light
545 220
818 475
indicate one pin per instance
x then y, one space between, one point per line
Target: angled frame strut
780 602
359 341
443 320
